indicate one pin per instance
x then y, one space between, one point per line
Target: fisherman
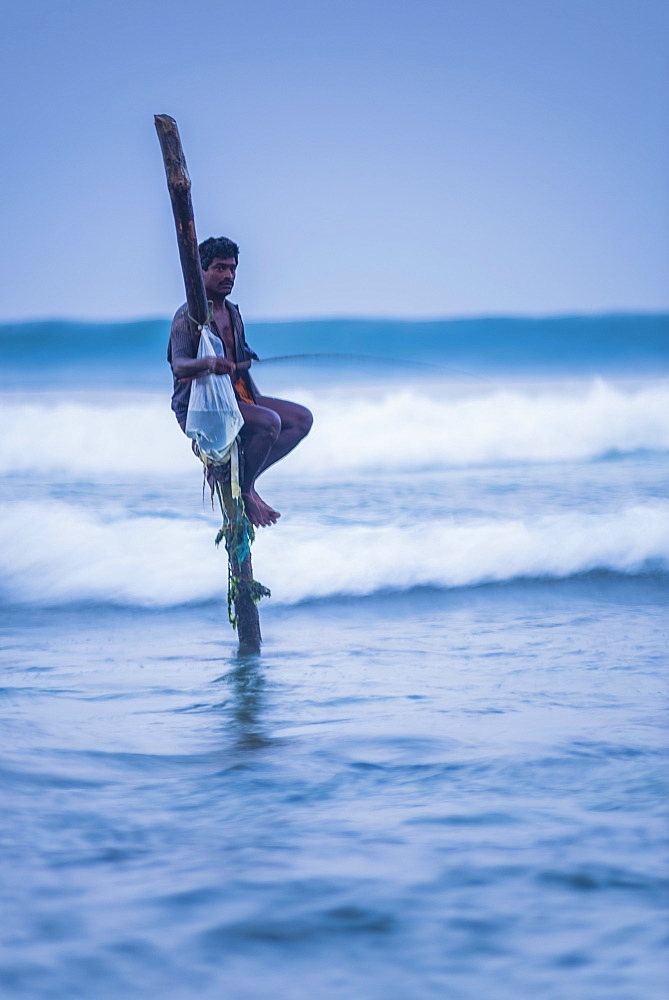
272 427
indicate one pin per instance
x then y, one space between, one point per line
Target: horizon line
454 318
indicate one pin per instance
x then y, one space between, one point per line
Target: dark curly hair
217 246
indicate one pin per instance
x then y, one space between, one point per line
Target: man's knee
264 422
304 419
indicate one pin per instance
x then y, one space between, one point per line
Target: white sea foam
415 430
403 428
58 553
87 440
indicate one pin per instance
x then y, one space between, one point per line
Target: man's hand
187 369
221 366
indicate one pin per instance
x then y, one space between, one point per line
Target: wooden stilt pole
178 184
246 591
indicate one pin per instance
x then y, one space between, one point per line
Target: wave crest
57 554
407 428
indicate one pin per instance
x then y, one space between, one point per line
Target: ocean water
445 774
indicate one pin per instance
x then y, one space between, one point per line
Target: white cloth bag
213 419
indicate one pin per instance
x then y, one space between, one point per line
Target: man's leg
296 423
260 433
272 428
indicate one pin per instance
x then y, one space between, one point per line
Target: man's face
220 276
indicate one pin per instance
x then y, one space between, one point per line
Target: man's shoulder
183 337
180 315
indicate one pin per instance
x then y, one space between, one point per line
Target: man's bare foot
274 514
257 511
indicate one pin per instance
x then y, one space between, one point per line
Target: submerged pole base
246 609
243 591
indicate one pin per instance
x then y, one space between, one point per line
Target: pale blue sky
439 158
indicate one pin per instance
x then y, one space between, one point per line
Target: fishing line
376 359
245 365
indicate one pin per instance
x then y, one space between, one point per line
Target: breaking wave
56 554
405 428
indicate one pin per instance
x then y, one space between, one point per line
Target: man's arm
185 367
182 353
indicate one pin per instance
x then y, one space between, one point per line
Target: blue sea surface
444 776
